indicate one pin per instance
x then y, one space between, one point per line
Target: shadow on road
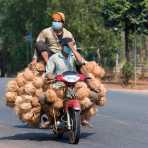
42 137
25 126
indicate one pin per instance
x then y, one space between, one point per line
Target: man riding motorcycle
65 60
48 40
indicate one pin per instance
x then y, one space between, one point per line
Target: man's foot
86 124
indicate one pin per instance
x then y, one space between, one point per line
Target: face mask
67 50
56 25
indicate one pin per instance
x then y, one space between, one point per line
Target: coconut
39 93
58 104
10 98
12 86
35 119
40 67
94 84
82 93
36 110
18 100
40 96
28 74
88 67
51 96
25 107
102 91
21 91
35 102
60 92
101 101
27 116
38 82
80 84
20 80
20 74
85 103
89 113
27 98
29 88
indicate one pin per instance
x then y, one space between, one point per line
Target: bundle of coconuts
31 96
24 94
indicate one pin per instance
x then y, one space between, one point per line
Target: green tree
127 15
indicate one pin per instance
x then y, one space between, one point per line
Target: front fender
73 104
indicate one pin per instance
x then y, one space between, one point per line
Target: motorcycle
69 122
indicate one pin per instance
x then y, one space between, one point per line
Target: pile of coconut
32 96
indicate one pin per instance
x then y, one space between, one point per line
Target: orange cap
58 16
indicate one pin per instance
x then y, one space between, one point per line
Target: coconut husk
88 67
20 74
94 68
35 119
101 101
38 82
35 102
10 98
51 96
27 98
29 89
89 113
19 100
20 80
80 84
40 95
12 86
25 107
36 110
102 91
21 91
85 103
60 92
98 71
58 104
94 84
82 93
27 116
28 74
40 67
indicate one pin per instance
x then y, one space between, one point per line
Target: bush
127 72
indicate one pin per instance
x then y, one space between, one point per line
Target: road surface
122 123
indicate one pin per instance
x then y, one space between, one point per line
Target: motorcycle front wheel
74 133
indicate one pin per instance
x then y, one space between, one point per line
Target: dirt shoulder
141 86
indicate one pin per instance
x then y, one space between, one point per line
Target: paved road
122 123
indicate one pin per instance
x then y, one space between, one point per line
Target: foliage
83 19
128 16
127 72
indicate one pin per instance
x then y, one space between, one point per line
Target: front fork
68 121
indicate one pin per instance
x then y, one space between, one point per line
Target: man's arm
77 55
40 39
